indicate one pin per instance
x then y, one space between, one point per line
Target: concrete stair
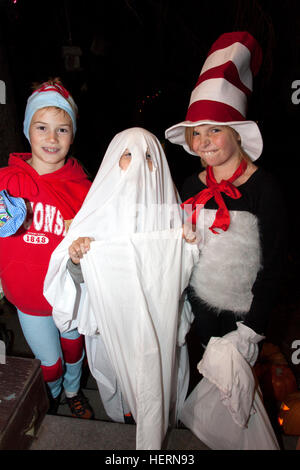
63 432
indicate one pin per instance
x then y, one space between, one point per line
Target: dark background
139 63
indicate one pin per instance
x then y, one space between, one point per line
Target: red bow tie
215 189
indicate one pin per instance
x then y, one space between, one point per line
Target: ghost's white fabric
106 378
135 274
225 410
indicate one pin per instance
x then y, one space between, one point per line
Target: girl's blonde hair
243 155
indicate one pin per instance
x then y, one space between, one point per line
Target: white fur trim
228 263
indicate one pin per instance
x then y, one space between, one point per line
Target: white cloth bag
225 410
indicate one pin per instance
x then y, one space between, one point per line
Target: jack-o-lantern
289 414
271 353
268 349
273 373
277 381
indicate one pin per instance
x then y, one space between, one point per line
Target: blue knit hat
49 95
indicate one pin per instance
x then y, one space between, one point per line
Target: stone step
65 433
62 432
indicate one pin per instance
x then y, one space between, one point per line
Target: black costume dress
239 271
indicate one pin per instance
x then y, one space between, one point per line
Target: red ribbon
215 189
55 87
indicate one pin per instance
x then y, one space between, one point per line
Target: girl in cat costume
236 205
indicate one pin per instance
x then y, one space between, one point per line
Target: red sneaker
80 407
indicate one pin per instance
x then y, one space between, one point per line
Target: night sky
139 63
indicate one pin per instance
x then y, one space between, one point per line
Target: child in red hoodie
53 187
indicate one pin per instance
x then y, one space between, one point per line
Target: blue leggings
61 355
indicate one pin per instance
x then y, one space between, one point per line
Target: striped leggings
61 354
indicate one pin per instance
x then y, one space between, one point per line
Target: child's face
51 134
214 144
125 160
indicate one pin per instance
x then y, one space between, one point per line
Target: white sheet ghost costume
135 274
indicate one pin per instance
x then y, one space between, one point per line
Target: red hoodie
52 199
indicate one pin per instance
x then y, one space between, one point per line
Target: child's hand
190 234
78 248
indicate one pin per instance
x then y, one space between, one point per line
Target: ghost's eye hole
125 160
149 161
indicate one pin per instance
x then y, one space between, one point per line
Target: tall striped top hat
222 91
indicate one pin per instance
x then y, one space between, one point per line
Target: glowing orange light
280 421
284 407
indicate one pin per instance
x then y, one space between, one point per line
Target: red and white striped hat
222 90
